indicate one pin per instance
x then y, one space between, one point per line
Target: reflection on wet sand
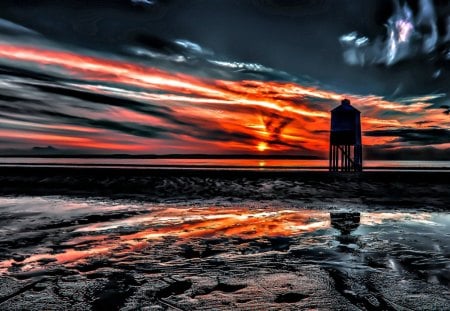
73 252
345 222
182 223
141 231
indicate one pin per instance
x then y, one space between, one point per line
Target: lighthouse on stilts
345 139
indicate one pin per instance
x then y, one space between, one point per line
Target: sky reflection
135 233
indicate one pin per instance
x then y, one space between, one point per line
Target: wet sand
82 239
396 189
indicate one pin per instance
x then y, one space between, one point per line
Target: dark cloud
144 2
411 154
321 132
8 98
55 118
188 56
216 134
415 136
293 8
158 44
422 123
408 35
275 124
8 27
89 97
129 128
446 109
24 73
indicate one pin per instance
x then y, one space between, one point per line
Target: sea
244 164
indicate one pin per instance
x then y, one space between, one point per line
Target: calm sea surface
221 163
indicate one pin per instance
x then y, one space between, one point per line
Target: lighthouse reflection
345 223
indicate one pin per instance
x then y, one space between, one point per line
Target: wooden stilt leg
329 158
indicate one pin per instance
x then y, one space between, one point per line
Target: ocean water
220 163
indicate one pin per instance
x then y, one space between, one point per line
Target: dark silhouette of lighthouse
345 139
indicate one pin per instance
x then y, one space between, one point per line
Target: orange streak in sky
68 141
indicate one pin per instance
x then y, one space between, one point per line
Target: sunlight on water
230 163
159 222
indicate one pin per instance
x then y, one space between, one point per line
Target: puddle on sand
67 234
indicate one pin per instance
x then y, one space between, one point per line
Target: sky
224 76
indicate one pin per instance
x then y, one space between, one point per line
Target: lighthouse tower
345 139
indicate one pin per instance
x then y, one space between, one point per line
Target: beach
375 190
79 238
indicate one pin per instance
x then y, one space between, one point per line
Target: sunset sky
224 77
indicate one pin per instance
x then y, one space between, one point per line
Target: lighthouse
345 139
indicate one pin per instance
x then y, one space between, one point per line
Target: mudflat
133 239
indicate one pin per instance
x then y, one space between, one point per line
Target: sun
262 146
